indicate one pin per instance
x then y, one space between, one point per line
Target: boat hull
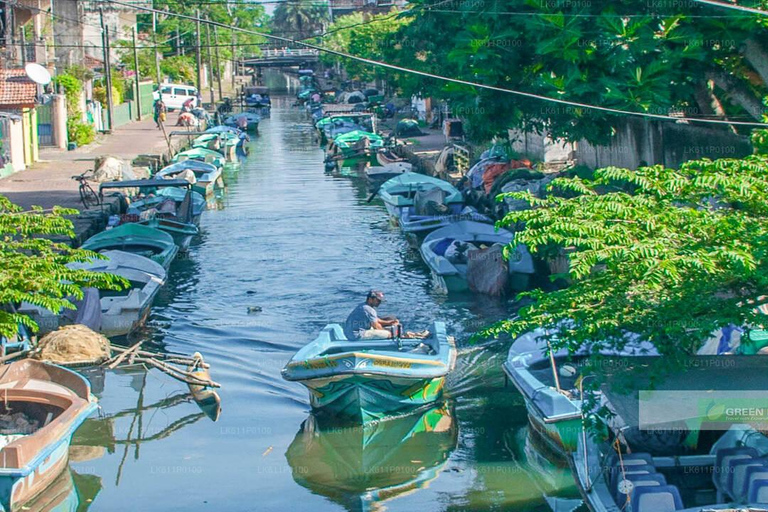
365 398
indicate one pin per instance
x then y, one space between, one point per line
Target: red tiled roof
16 88
93 62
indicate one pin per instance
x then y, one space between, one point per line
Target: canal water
290 250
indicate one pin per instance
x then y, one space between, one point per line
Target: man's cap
376 294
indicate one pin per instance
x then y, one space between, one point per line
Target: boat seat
661 498
632 459
736 477
752 474
648 480
617 474
758 491
723 458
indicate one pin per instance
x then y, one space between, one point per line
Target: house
18 120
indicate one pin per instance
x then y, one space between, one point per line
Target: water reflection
362 466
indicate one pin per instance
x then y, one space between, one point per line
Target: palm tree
298 19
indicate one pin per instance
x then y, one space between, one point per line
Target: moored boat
160 212
420 203
207 176
354 147
87 312
696 442
123 311
225 143
44 405
201 155
368 380
246 121
549 385
136 239
449 251
379 174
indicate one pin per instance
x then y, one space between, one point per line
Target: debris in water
254 309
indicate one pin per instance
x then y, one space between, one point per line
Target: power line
734 7
465 82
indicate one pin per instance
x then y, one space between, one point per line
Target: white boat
124 311
449 266
378 174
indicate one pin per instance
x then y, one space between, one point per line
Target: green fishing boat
354 148
369 380
136 239
201 155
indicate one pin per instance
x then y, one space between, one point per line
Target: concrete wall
59 121
16 150
66 33
637 142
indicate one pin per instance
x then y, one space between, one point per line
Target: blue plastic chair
758 491
663 498
649 480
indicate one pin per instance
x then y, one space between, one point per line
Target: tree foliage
299 19
670 255
375 38
661 58
34 266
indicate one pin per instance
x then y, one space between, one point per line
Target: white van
174 95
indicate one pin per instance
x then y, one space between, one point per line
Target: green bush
79 132
72 88
100 95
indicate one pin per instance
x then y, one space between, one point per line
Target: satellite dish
38 73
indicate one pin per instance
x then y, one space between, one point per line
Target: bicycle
88 196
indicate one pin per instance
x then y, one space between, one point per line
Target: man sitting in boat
363 323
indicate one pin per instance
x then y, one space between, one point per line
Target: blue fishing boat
201 155
241 135
145 241
246 121
693 440
420 203
47 403
448 252
206 176
368 380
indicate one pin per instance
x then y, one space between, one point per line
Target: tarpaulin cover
487 271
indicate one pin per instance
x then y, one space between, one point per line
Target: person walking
160 111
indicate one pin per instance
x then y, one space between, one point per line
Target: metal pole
198 57
210 61
107 72
218 60
234 57
138 78
154 43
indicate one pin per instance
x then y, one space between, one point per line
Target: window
165 90
178 91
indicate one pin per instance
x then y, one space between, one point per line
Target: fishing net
73 344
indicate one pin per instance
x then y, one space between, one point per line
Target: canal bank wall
49 182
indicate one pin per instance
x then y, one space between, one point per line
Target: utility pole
107 70
218 60
138 78
234 57
198 57
210 61
154 43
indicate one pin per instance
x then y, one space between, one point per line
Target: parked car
174 95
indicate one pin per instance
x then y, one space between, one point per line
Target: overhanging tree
34 265
670 255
